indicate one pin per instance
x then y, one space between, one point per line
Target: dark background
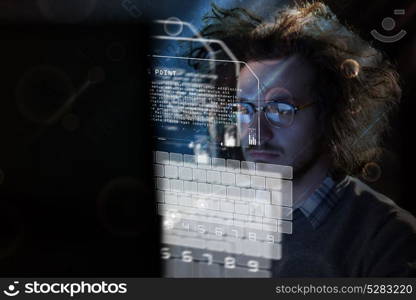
76 195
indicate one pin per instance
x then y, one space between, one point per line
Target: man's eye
273 110
241 109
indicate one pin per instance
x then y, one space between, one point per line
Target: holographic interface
222 216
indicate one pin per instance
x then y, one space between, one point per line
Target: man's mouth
263 154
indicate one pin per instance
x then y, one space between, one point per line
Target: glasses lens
241 112
280 114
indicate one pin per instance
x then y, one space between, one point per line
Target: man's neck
306 184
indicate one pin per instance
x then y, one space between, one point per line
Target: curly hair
357 87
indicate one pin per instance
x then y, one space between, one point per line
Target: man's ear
323 125
322 116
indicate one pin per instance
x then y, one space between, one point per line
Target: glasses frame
262 108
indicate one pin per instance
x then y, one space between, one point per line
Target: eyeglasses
279 114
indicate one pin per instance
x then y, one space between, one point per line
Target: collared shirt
317 207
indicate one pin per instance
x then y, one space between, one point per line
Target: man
325 95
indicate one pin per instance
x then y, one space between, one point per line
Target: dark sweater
365 235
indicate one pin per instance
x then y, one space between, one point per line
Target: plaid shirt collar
317 207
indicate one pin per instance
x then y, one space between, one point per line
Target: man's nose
263 128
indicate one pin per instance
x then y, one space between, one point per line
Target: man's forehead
257 77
